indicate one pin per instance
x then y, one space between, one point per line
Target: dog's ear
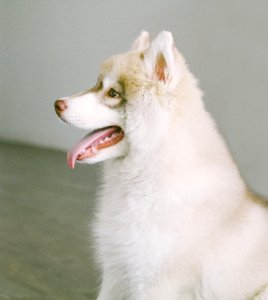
142 42
159 59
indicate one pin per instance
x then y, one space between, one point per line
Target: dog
174 219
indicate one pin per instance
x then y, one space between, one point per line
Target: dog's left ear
159 59
142 42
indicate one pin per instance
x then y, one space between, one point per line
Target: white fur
142 42
174 218
85 111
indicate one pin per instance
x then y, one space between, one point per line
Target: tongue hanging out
93 142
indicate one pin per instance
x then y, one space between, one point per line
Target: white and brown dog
174 218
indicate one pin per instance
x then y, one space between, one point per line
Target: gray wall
53 48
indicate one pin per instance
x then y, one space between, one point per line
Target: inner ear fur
160 68
160 61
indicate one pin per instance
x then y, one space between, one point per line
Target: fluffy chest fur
139 224
148 232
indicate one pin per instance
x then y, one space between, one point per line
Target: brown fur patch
129 71
97 88
258 293
129 85
257 199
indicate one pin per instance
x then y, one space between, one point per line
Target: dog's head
129 107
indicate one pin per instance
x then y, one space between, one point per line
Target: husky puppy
175 219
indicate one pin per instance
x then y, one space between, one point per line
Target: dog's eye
113 93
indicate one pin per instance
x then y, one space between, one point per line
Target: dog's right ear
142 42
159 60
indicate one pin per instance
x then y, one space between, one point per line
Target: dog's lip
93 142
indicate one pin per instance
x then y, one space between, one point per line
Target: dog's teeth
114 135
93 149
106 139
101 141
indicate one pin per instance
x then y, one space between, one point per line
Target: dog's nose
60 106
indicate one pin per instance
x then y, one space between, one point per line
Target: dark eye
113 93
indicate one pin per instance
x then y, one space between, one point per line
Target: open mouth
94 142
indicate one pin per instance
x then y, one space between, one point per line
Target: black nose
60 106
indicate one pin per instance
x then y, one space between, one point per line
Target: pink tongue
86 142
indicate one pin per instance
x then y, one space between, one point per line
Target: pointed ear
159 59
142 42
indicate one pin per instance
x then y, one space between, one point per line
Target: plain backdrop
51 49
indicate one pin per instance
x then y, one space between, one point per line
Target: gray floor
44 217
